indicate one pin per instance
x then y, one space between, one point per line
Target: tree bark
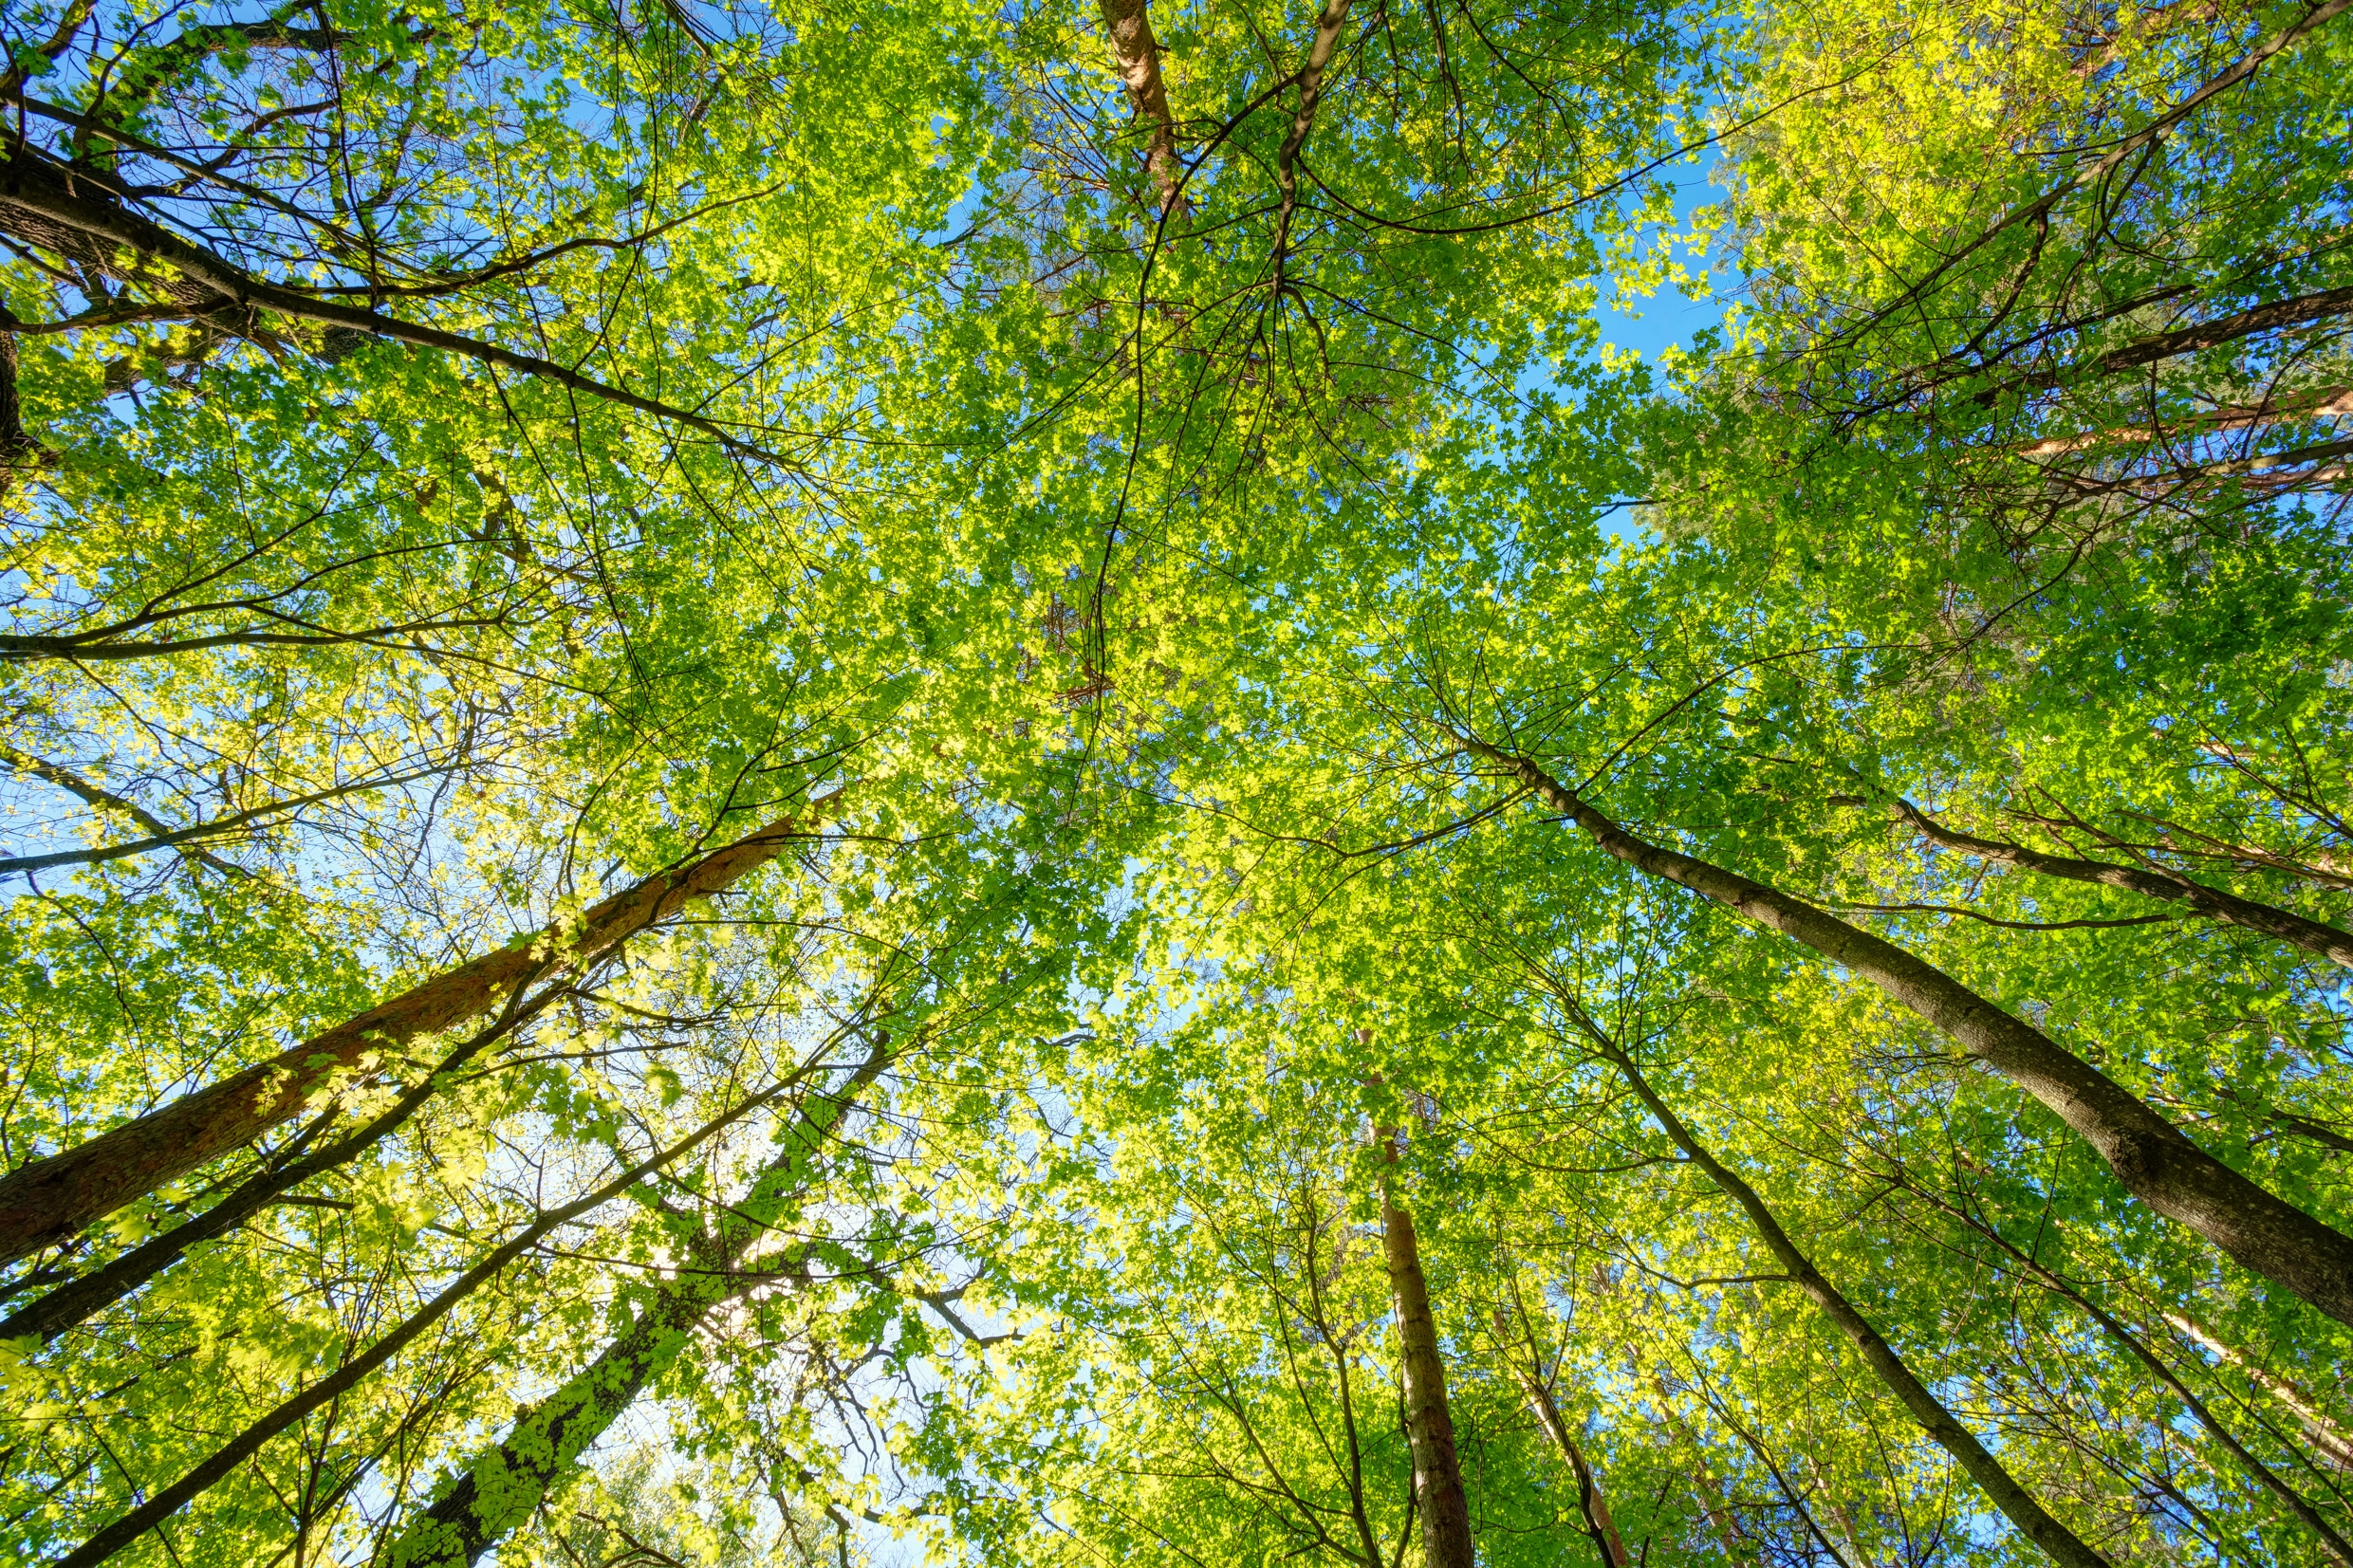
2151 1157
2016 1504
45 1201
225 1460
1137 54
2311 935
2334 1440
1327 25
503 1486
1590 1501
1429 1421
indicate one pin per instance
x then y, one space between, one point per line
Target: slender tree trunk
46 1200
2016 1504
2058 1283
1429 1421
2334 1440
2312 935
45 204
1704 1484
1590 1501
1137 54
503 1485
1328 23
162 1504
2151 1157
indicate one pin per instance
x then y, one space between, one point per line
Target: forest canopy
1390 783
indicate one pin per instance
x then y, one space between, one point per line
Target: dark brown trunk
2017 1504
1429 1421
2150 1156
2311 935
46 1200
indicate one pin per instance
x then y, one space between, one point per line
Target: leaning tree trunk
503 1485
2213 903
2016 1504
2151 1158
46 1200
158 1506
1590 1500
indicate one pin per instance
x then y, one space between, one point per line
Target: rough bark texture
2017 1504
1429 1421
47 1200
2150 1156
503 1485
1137 55
2311 935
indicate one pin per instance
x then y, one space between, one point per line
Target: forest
1413 784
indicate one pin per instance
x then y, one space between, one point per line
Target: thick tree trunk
1429 1421
46 1200
2017 1504
2311 935
2151 1157
1137 54
504 1486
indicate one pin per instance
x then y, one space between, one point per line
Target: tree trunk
81 1299
2058 1283
1429 1421
2311 935
1137 55
46 1200
226 1460
2151 1157
1590 1501
2016 1504
2334 1441
502 1487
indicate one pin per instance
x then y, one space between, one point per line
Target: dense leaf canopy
978 784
